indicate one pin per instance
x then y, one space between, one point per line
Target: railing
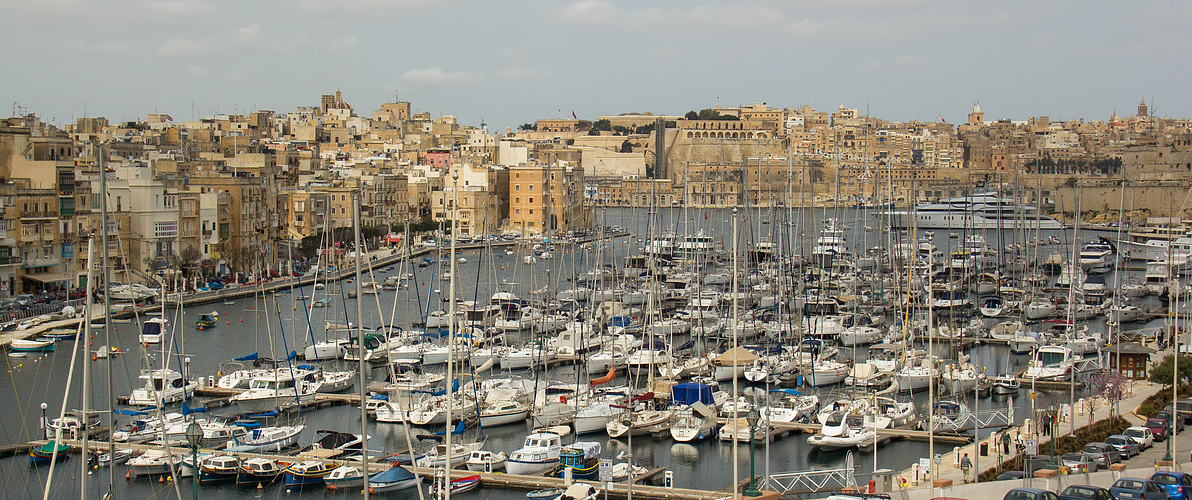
795 483
32 214
14 259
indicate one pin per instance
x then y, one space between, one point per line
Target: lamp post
194 436
752 418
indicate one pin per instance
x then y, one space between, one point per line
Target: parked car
1158 427
1082 492
1183 408
1030 494
1125 445
1104 454
1009 475
1078 462
1130 488
1177 483
1142 435
1165 414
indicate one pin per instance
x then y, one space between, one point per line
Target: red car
1158 427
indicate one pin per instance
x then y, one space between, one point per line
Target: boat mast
107 311
451 330
360 345
84 418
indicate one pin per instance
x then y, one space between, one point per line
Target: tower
976 116
1142 109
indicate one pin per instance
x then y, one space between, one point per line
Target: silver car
1125 445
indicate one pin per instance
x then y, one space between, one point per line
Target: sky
508 63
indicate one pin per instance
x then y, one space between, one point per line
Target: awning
48 277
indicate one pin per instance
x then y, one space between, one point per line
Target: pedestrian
966 466
1006 442
1046 424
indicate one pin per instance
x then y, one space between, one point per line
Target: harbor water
277 324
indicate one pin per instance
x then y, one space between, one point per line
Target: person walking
1046 424
1006 442
966 466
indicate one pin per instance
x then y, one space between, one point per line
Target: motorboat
392 479
206 321
740 430
153 463
307 473
1051 362
25 345
503 413
457 486
344 476
486 461
283 387
1096 257
146 429
162 384
846 430
217 468
439 455
46 453
1005 384
266 439
640 423
257 470
581 457
151 330
539 452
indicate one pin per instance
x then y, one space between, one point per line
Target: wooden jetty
376 464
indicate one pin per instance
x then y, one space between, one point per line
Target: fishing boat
116 458
61 334
206 321
257 471
216 468
1005 384
23 345
46 453
392 479
458 485
344 476
307 473
582 458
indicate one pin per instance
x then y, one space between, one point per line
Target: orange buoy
260 486
128 475
229 321
161 479
93 358
242 319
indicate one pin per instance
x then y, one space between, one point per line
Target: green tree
626 147
528 126
1161 373
691 115
602 125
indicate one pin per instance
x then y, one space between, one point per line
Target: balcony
30 214
42 262
67 237
15 259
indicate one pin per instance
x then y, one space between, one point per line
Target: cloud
591 12
249 38
902 62
98 47
437 75
197 72
343 43
521 73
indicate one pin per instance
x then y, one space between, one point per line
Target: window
531 200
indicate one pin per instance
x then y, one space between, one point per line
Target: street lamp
752 418
194 436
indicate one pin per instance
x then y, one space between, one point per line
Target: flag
573 114
942 120
865 175
169 118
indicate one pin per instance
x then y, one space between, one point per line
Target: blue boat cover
395 474
250 357
690 392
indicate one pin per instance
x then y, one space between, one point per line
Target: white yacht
984 210
284 386
1051 362
164 383
539 452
